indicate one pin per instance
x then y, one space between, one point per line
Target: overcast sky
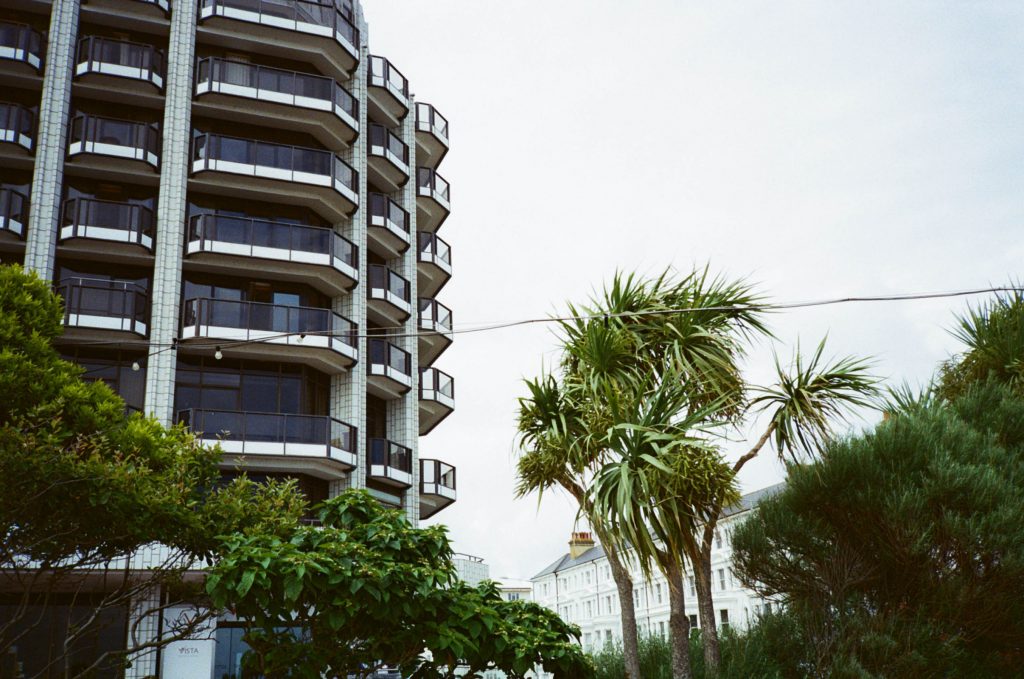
819 149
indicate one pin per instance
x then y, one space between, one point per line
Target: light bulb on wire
218 354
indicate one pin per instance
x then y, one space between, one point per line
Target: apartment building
241 205
579 586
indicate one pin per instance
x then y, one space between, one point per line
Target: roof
746 503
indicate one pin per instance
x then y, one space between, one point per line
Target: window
718 539
693 622
721 578
608 600
661 629
657 592
693 586
768 607
545 589
724 615
590 610
607 636
587 577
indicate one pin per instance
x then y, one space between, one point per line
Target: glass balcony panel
21 38
312 162
234 150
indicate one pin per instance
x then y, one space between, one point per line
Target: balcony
390 462
17 134
21 48
388 370
437 398
277 98
436 329
104 305
431 135
100 228
389 91
388 226
110 66
13 214
271 332
432 199
437 487
115 148
315 256
388 161
314 178
434 264
313 444
319 31
387 296
146 16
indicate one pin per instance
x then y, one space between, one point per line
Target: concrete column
171 212
348 390
51 138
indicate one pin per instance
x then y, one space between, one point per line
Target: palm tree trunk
706 609
630 647
678 623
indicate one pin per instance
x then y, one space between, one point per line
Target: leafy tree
993 333
366 589
99 510
902 551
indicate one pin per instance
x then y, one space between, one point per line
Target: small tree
366 590
99 511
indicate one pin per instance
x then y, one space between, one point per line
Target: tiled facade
257 239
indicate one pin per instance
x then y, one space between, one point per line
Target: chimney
579 543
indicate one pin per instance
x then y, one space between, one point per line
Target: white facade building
579 587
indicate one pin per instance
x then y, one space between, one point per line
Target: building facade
470 569
240 204
579 587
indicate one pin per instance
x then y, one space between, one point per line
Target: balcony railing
436 475
108 220
293 88
384 74
17 125
162 4
384 453
138 61
433 185
103 304
388 285
21 42
275 433
434 382
250 237
392 359
434 249
430 121
384 142
388 214
269 323
274 161
13 211
316 17
112 137
434 315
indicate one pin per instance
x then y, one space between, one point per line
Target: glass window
259 393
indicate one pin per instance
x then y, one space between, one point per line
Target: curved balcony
103 227
390 462
17 131
388 370
431 135
13 213
387 296
106 63
271 332
437 487
436 329
434 263
432 199
104 305
388 226
388 161
315 178
277 98
321 31
388 94
23 45
437 398
114 147
313 444
313 255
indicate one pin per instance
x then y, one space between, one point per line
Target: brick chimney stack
579 543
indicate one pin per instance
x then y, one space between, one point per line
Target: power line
763 307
